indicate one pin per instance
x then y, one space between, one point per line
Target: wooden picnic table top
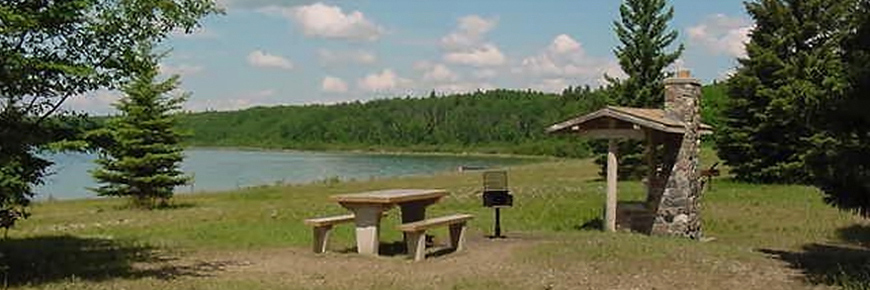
390 196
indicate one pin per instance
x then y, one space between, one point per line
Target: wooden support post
610 209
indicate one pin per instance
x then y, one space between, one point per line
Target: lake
220 170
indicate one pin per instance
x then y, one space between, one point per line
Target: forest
497 121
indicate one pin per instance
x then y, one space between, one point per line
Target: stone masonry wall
678 209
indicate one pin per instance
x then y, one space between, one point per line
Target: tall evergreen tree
139 150
645 36
792 69
839 155
643 56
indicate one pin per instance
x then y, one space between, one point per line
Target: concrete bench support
416 233
322 227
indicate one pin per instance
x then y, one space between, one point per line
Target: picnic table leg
368 227
414 211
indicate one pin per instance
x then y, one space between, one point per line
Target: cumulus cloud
260 58
564 44
485 73
342 57
327 21
440 73
552 85
466 46
463 87
565 61
486 55
469 32
333 85
721 34
97 102
384 81
181 70
237 102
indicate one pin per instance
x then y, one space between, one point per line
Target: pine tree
140 152
839 156
793 68
645 36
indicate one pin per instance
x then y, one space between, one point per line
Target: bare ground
486 264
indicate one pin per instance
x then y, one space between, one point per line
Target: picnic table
368 208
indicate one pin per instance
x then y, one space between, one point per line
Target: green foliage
54 50
499 121
140 153
792 72
645 37
838 157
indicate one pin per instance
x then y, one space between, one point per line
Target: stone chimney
674 190
682 96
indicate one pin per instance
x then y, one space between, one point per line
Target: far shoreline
379 152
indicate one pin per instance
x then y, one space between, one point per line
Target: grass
766 237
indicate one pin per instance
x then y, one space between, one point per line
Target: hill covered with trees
497 121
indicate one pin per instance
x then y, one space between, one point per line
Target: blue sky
303 52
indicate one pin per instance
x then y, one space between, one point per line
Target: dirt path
487 264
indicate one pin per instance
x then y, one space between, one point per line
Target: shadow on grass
846 266
857 234
129 205
38 260
595 224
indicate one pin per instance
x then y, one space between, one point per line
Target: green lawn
766 237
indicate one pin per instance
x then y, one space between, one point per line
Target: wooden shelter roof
614 122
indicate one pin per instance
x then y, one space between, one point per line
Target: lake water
217 170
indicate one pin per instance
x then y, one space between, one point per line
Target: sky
296 52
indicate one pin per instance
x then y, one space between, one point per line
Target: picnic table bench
416 233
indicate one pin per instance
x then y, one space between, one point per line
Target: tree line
496 121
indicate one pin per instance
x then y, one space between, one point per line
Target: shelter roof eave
653 119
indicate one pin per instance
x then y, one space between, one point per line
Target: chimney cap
684 74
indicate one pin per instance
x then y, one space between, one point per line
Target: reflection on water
215 170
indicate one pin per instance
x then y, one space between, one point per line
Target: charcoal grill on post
497 196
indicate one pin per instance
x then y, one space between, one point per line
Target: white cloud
463 87
333 85
554 85
487 55
246 100
564 44
181 70
351 56
466 46
326 21
259 58
469 32
721 34
384 81
564 61
97 102
485 73
423 65
440 73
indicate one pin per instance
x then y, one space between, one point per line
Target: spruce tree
139 150
838 159
792 69
645 36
